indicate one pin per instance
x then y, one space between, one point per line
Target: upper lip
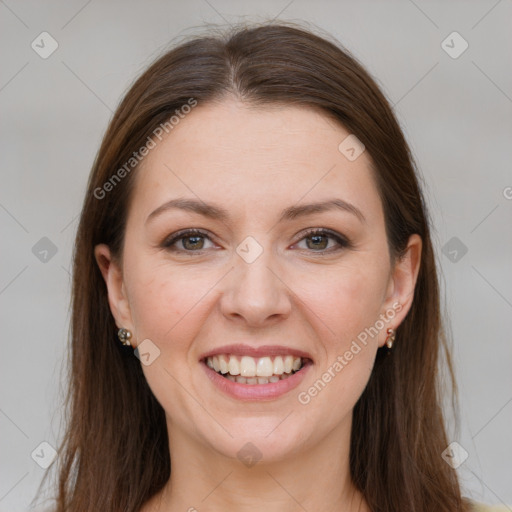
261 351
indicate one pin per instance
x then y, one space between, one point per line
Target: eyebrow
216 212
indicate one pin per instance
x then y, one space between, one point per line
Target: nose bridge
255 290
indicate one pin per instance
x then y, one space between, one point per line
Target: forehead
239 155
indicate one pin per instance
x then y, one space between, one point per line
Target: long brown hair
114 455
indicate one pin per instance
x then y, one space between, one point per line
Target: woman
256 315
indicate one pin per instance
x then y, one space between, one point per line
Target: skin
255 162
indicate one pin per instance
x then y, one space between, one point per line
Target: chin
260 440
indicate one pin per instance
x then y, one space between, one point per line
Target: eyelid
184 233
342 241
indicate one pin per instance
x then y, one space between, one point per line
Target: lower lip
269 391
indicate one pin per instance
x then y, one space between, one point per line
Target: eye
190 239
318 240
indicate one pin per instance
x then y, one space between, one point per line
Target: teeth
247 366
278 366
265 368
250 370
233 366
223 363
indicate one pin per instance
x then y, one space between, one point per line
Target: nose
256 293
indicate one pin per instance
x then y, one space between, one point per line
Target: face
294 299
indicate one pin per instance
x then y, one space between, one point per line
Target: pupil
185 240
317 237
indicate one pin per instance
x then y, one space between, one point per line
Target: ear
113 276
400 292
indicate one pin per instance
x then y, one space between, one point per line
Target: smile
259 373
251 370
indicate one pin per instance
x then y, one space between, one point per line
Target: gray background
456 114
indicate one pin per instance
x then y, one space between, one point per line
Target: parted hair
114 452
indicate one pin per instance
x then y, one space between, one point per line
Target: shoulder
481 507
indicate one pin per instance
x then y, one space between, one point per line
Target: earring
390 338
124 336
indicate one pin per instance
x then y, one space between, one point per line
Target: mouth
250 370
264 373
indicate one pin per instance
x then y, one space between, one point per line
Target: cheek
347 299
347 304
160 300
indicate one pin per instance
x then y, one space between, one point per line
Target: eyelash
343 242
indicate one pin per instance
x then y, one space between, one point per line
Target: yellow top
481 507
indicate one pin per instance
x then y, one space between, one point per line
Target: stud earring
124 336
390 338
